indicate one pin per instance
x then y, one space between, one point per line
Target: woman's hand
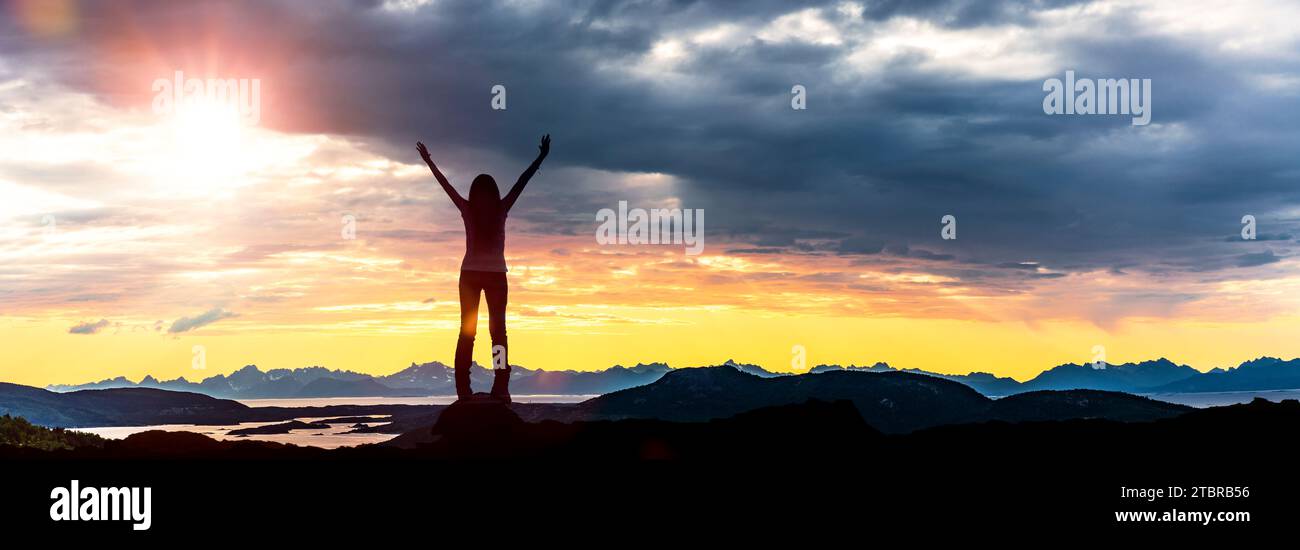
544 149
456 199
424 152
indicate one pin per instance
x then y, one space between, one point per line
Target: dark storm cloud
1258 258
963 13
870 167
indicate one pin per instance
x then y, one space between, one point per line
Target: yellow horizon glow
49 355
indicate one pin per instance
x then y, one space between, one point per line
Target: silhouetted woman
484 267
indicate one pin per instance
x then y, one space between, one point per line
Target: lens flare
46 18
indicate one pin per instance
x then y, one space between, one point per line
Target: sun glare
208 148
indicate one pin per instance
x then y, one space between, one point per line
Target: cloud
917 110
89 328
185 324
940 125
1256 259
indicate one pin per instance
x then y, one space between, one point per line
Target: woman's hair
484 202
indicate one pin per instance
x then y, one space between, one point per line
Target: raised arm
543 150
456 199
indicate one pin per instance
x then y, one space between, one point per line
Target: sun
208 128
207 148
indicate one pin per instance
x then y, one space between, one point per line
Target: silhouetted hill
890 401
114 407
982 382
1081 404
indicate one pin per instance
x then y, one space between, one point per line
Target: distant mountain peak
1265 361
747 368
1164 362
714 373
642 368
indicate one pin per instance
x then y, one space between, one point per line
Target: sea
331 438
1221 398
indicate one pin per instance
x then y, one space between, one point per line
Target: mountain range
1147 377
424 379
435 378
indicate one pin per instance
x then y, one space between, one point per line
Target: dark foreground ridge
813 429
817 457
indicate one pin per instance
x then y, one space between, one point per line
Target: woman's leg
470 287
495 289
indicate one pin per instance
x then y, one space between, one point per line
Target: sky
138 240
